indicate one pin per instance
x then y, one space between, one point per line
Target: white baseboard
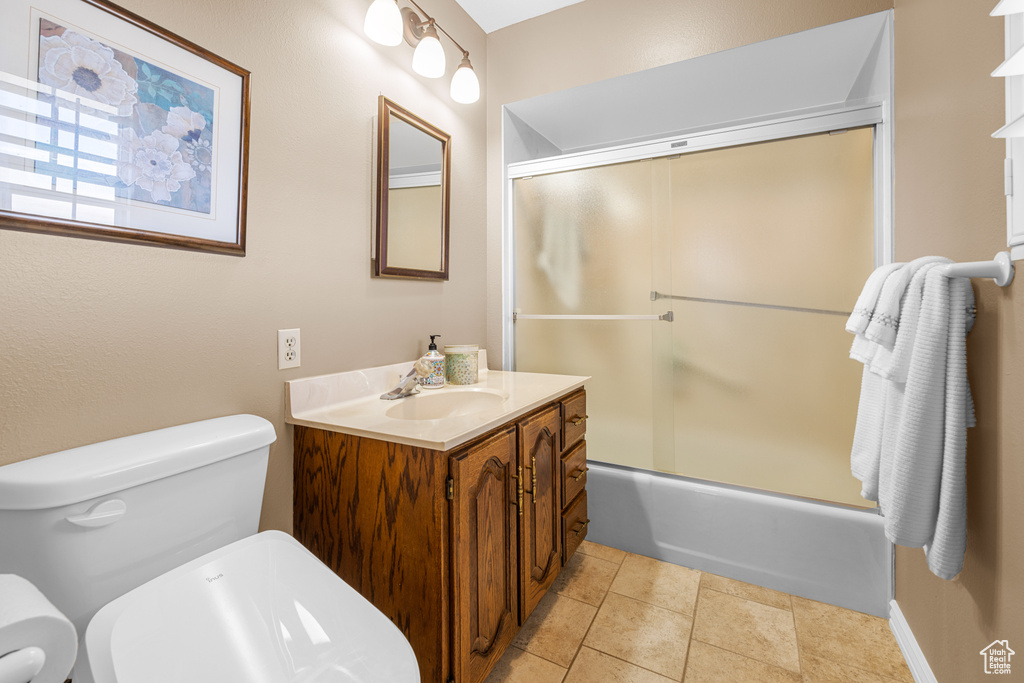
919 668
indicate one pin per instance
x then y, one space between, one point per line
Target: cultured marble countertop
350 403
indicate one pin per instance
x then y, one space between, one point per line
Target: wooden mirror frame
385 110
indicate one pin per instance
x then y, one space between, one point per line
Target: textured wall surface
949 201
103 340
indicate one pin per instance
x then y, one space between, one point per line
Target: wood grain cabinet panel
485 581
574 472
574 419
455 547
540 543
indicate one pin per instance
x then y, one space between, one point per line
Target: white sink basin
446 402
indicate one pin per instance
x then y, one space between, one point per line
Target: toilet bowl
148 544
261 610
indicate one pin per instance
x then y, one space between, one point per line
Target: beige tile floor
616 617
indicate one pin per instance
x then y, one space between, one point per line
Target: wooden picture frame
114 128
390 175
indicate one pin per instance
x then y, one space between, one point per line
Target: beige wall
102 340
949 201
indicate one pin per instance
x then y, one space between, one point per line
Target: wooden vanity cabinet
573 473
540 530
485 576
455 547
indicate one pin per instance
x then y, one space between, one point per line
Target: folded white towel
868 298
881 401
921 484
886 321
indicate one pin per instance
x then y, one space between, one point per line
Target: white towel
924 501
881 401
886 321
867 302
868 299
910 442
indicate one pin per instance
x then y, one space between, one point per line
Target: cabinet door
484 563
539 532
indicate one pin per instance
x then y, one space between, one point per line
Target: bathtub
816 550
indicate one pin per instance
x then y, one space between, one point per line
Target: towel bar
999 269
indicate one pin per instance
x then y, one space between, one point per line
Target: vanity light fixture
465 86
384 20
428 57
383 23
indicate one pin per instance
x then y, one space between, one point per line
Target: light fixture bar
428 58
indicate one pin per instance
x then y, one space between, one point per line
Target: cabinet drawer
574 472
574 526
574 419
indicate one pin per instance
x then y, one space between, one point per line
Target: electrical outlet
289 350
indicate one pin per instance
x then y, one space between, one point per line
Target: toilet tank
88 524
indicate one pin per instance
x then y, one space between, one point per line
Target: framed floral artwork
114 128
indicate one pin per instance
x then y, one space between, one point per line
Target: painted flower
87 68
153 163
199 154
184 123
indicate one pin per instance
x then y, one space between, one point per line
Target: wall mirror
412 178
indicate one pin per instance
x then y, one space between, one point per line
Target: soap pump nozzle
433 346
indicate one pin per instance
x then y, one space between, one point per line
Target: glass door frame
875 114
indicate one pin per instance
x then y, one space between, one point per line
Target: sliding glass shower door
584 251
707 295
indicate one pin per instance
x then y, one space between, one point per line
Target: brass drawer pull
577 421
579 475
583 525
519 490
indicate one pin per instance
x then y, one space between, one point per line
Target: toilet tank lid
98 469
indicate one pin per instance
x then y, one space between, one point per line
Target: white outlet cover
289 345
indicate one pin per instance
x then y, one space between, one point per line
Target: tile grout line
591 625
740 654
796 632
693 627
606 593
800 652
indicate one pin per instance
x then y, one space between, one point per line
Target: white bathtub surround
819 551
441 419
910 443
912 653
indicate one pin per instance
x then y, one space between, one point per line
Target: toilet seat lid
260 610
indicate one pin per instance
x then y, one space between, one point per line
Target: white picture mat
19 37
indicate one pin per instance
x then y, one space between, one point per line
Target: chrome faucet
408 384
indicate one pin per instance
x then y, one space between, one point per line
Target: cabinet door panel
539 535
484 585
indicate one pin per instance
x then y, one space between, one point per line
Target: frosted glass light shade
465 86
428 58
383 23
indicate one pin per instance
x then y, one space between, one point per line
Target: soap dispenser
435 359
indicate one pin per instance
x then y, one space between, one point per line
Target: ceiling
492 15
